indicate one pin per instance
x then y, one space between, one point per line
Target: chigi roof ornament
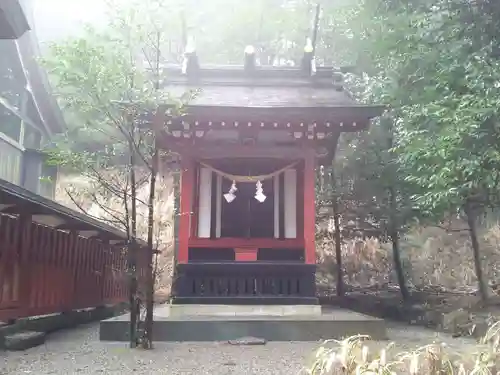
309 47
308 60
190 65
250 60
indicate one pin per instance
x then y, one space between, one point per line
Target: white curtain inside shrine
205 203
290 182
289 200
218 213
276 182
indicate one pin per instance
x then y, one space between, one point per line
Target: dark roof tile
231 86
259 96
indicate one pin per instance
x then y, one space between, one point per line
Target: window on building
12 89
31 111
48 177
10 124
12 79
32 137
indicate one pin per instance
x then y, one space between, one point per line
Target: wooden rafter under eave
357 113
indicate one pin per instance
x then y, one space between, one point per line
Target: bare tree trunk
394 225
150 282
177 194
338 248
471 221
396 254
132 293
337 233
134 302
151 270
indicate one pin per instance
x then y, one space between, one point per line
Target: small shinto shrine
249 144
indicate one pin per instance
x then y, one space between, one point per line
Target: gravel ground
79 351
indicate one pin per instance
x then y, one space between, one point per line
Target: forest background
416 195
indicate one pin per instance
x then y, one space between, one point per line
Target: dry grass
358 355
433 257
85 192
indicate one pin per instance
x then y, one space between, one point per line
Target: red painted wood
186 207
77 271
72 243
309 209
246 254
102 268
206 150
196 200
300 199
285 117
231 243
26 233
6 260
45 271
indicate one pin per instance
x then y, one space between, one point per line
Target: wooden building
13 21
249 144
29 114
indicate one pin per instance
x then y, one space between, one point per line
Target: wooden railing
44 270
53 259
245 282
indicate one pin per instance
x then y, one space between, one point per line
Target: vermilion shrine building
249 145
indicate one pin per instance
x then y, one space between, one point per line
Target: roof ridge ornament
250 61
190 65
308 60
309 46
249 50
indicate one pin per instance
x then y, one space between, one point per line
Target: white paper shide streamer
230 196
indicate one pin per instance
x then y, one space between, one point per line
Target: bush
354 355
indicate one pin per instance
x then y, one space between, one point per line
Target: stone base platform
272 323
237 310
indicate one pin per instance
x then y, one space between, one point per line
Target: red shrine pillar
186 207
309 208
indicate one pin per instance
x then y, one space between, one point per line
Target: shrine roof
265 87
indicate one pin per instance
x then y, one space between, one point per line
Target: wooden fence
44 270
54 267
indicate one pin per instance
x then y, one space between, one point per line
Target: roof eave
13 21
357 111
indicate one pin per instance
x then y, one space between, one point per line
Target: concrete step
332 325
237 310
245 300
31 331
23 340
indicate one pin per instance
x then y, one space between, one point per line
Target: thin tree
108 84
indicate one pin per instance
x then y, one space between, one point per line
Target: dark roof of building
42 92
15 200
46 104
259 96
266 87
13 22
